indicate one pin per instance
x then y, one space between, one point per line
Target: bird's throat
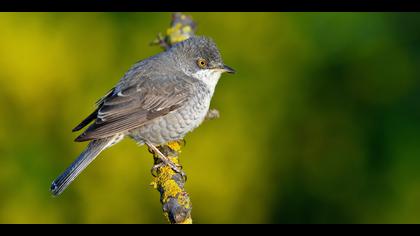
209 77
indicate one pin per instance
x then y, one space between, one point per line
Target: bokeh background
320 124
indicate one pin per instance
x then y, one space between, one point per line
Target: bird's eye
202 63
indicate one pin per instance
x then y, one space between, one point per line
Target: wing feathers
86 121
136 105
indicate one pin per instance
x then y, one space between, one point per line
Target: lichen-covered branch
182 27
175 200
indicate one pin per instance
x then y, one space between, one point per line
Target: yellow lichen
175 145
173 29
186 29
154 184
166 215
183 200
188 220
165 181
170 187
178 38
178 33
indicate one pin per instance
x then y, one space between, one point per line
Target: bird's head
200 58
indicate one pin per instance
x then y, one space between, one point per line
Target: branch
175 200
182 27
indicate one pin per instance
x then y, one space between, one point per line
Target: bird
158 100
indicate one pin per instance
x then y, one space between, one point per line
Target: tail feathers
86 157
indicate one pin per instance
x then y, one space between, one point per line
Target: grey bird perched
160 99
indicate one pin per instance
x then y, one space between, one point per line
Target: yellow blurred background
319 125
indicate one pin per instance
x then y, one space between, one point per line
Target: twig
182 27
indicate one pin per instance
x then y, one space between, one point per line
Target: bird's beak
228 69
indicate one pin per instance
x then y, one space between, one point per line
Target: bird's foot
165 161
173 166
155 168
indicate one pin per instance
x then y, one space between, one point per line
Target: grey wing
137 104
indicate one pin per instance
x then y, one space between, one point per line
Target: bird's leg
165 160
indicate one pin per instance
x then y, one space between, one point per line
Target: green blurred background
319 125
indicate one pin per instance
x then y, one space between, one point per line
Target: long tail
86 157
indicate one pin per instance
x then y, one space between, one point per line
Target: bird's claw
164 160
175 167
154 169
